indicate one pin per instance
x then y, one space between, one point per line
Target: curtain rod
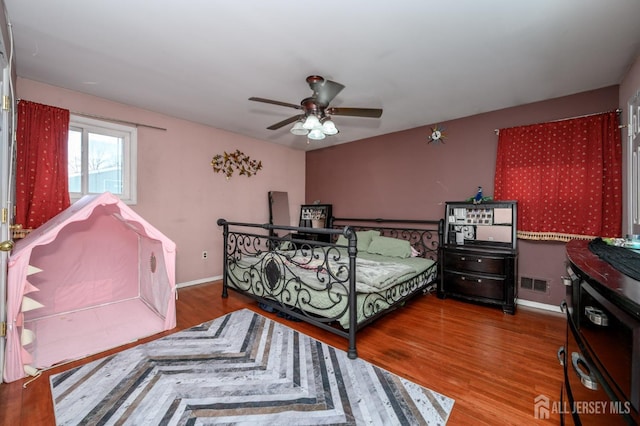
618 111
115 120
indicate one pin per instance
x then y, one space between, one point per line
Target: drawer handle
464 259
587 379
465 279
561 355
572 275
596 316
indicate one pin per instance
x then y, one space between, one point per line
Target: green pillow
388 246
364 239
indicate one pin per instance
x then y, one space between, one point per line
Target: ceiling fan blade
323 90
285 122
270 101
356 112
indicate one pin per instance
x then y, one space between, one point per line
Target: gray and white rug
241 368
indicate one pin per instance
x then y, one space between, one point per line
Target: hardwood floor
492 364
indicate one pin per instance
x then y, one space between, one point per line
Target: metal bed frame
274 282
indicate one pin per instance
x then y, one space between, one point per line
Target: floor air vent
534 284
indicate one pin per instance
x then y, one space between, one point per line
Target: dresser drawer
486 264
590 399
474 285
614 338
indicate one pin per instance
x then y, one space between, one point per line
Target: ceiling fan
315 118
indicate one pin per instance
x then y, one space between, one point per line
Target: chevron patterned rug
241 368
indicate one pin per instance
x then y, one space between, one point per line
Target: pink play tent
94 277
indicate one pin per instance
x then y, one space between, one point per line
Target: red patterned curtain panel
42 187
566 176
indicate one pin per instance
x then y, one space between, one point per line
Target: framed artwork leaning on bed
314 216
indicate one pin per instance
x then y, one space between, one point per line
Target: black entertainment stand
601 355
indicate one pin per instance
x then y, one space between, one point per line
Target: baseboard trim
538 305
200 281
522 302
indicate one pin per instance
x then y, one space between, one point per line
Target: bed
339 278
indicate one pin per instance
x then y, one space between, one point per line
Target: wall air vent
534 284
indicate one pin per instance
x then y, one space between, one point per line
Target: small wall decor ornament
236 161
437 134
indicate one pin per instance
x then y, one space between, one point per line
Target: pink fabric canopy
93 277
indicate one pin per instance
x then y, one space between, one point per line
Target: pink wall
400 175
630 85
628 88
394 175
178 192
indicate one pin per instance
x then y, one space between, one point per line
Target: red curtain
42 187
566 176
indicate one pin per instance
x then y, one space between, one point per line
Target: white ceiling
422 61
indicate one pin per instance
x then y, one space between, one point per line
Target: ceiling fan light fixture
316 135
311 122
314 119
329 128
298 129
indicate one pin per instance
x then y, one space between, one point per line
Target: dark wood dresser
480 253
601 355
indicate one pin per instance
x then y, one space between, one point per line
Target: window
102 157
566 176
